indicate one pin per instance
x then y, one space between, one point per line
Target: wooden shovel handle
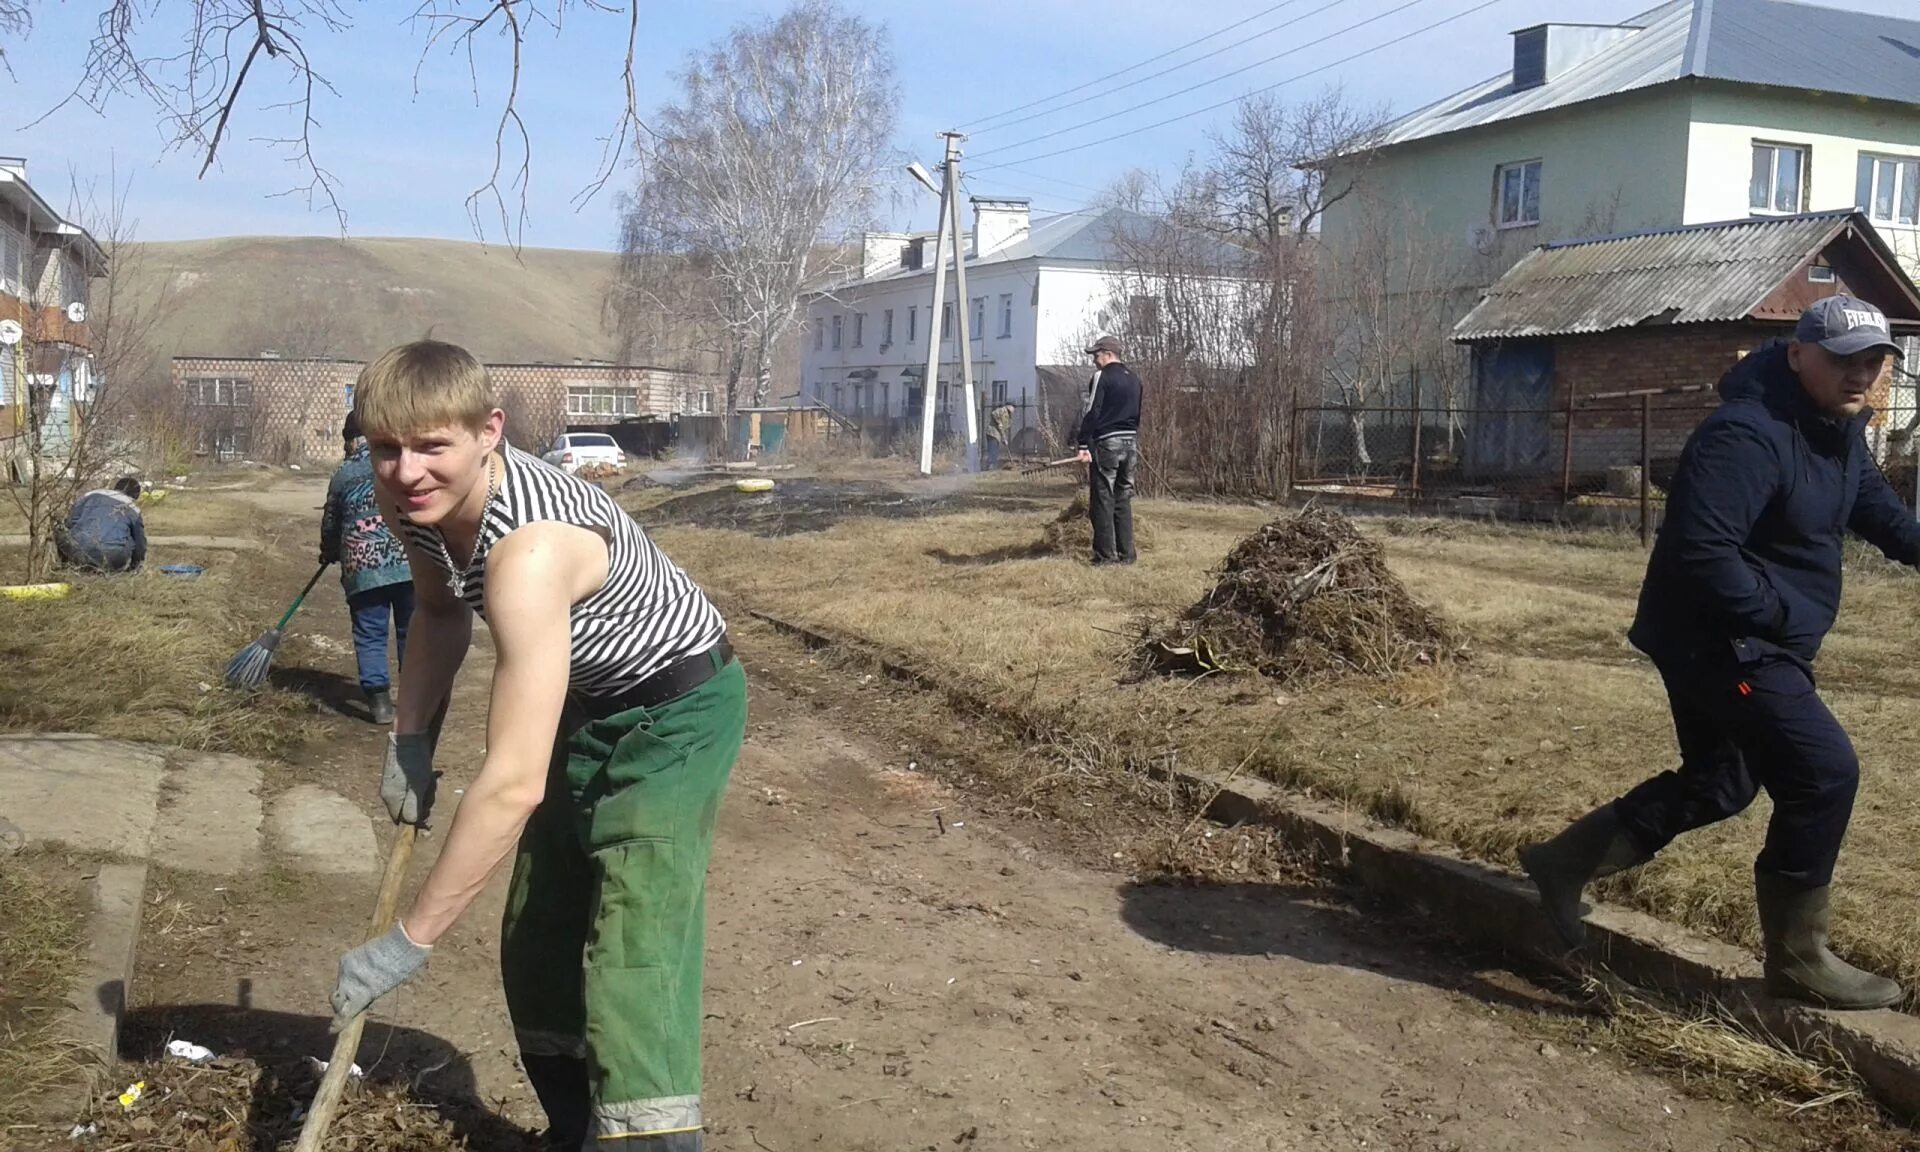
334 1083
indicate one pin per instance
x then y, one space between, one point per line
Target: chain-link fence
1605 459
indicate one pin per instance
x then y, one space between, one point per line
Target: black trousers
1110 497
1745 724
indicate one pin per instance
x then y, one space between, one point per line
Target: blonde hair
421 386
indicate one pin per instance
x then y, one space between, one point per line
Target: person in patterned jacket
373 570
615 714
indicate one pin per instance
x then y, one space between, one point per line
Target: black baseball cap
1844 326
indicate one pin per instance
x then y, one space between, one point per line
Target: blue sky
406 160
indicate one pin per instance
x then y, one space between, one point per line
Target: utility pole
948 232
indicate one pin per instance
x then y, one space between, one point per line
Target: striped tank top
647 615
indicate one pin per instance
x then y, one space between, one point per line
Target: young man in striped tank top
617 711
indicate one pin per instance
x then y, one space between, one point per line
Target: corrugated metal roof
1690 275
1767 42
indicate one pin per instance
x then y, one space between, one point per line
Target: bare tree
71 370
772 154
193 60
1223 301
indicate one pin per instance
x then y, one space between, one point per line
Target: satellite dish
77 312
11 332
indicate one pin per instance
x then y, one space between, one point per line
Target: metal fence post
1566 452
1646 470
1417 421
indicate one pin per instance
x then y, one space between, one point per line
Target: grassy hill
319 296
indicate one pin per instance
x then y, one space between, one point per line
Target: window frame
1776 147
1538 168
1006 315
1905 191
886 327
839 330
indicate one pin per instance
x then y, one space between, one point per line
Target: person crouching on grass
616 714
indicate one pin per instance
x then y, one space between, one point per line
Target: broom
248 669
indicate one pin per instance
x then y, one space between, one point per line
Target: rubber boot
380 706
1561 868
560 1082
1793 921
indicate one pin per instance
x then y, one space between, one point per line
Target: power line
1129 68
1204 83
1485 4
1165 71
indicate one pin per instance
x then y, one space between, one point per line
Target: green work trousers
604 934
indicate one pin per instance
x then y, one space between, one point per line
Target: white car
575 450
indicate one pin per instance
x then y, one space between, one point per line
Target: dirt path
877 984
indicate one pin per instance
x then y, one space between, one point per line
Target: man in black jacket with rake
1108 440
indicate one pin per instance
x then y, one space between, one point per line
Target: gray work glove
407 780
373 970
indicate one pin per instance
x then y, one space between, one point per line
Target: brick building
281 410
1570 344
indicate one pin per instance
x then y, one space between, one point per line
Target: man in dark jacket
1741 589
104 531
1109 432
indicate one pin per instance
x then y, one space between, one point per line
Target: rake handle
300 599
333 1085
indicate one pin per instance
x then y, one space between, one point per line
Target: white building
46 358
1039 288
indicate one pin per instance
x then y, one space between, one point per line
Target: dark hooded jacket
1749 555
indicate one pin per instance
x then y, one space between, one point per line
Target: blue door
1513 419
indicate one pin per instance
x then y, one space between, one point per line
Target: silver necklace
456 575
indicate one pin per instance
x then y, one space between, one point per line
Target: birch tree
749 182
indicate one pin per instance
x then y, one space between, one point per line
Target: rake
1033 468
248 669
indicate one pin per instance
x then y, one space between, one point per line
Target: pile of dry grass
1071 532
230 1105
1304 598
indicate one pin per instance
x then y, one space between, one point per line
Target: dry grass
43 905
1555 715
140 657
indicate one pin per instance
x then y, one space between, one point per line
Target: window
859 329
1820 274
1006 315
913 324
977 325
946 321
602 401
859 399
819 333
999 393
1889 189
1517 194
886 328
701 403
13 255
837 320
1779 181
219 392
885 391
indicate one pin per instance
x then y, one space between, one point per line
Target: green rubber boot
1561 868
1799 966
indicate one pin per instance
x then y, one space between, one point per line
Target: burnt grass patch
793 507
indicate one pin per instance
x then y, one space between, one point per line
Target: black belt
663 687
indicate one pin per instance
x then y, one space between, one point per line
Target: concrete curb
99 996
1492 907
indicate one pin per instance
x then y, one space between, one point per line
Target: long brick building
286 410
